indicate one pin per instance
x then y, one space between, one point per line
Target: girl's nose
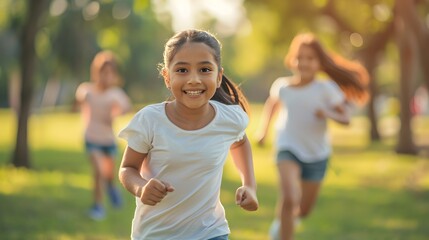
193 78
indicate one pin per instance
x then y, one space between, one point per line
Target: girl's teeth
193 92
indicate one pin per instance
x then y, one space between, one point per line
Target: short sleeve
276 86
231 119
82 92
334 94
138 133
244 122
121 99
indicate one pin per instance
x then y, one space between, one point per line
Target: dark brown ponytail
230 94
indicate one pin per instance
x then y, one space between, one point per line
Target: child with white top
305 103
176 149
101 101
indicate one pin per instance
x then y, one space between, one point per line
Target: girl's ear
166 77
219 77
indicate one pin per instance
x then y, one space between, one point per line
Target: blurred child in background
101 100
305 103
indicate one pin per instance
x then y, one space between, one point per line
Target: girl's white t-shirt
97 110
192 162
299 130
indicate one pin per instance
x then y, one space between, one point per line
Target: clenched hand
154 191
246 198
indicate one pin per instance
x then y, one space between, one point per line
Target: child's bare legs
100 173
290 197
310 192
103 167
297 197
109 175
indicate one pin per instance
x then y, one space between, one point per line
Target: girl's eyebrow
200 63
206 62
181 63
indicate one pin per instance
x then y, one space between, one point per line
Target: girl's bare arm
243 160
150 191
129 171
338 113
269 110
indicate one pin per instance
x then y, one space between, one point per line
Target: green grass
370 192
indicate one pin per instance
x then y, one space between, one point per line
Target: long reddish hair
351 76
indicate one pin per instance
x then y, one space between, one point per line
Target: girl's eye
206 70
182 70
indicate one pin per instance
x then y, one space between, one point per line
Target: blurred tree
407 63
412 37
370 55
35 11
126 27
413 18
11 18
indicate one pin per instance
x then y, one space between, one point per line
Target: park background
377 185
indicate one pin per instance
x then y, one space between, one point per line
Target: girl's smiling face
193 75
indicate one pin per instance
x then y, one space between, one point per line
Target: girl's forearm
268 112
342 118
339 113
129 171
131 179
243 160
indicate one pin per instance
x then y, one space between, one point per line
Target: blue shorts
223 237
109 150
309 171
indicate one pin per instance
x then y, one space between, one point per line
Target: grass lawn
370 192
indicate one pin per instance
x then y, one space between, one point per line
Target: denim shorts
223 237
109 150
314 171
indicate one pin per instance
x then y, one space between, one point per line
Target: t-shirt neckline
195 130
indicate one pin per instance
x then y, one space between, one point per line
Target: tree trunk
369 57
421 32
373 91
35 10
404 40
